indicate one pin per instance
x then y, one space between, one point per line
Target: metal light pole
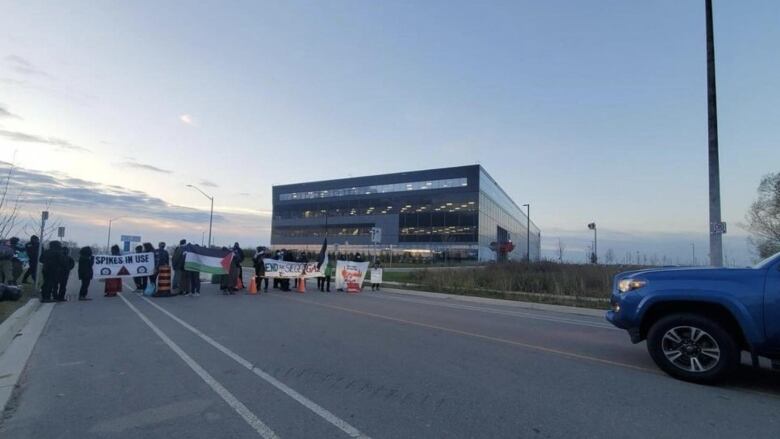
716 237
108 241
211 215
38 269
528 233
592 226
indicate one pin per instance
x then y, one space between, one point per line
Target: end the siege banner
283 269
130 265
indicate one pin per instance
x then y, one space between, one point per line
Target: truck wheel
692 348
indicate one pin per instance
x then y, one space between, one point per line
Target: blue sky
591 111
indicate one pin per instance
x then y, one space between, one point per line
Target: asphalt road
378 365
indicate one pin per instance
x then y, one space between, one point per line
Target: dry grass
544 278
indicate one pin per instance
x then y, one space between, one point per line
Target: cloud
18 136
75 194
187 119
144 167
23 66
207 183
7 114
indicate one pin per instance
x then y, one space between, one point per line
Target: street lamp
211 215
716 233
595 259
528 233
108 241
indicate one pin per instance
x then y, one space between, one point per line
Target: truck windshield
766 261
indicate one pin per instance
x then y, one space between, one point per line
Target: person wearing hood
177 263
62 283
86 261
140 281
53 261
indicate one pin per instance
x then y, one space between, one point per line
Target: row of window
376 189
319 231
454 203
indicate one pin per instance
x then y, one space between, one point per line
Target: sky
588 111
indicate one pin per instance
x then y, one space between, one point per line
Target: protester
140 281
330 269
301 259
234 281
278 257
374 284
163 269
62 282
287 257
114 284
259 265
86 261
192 283
53 264
224 279
177 262
238 258
149 248
7 253
32 248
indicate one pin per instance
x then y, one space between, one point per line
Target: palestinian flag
207 260
322 258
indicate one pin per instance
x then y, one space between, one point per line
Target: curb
14 358
16 321
502 302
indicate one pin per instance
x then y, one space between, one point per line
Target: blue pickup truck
698 320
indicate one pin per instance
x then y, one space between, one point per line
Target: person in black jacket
53 262
62 282
86 261
31 248
259 265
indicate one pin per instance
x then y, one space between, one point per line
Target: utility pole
38 269
595 258
716 236
211 215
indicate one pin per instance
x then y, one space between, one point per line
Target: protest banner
290 270
136 264
207 260
350 275
376 275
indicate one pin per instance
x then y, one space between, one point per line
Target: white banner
284 269
350 275
376 275
130 265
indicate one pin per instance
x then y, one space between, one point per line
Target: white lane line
306 402
527 315
250 418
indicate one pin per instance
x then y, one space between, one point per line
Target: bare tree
9 205
561 248
763 217
33 225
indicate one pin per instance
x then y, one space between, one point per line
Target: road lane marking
309 404
250 418
533 316
480 336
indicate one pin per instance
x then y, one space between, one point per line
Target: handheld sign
136 264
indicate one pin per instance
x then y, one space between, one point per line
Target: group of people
169 277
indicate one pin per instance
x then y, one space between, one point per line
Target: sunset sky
589 113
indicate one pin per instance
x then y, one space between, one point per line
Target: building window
376 189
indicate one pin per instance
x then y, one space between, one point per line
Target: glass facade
375 189
451 211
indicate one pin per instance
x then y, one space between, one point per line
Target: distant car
698 320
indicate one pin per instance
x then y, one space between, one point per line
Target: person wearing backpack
86 261
62 283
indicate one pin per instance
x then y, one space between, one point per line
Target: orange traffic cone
302 285
252 285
